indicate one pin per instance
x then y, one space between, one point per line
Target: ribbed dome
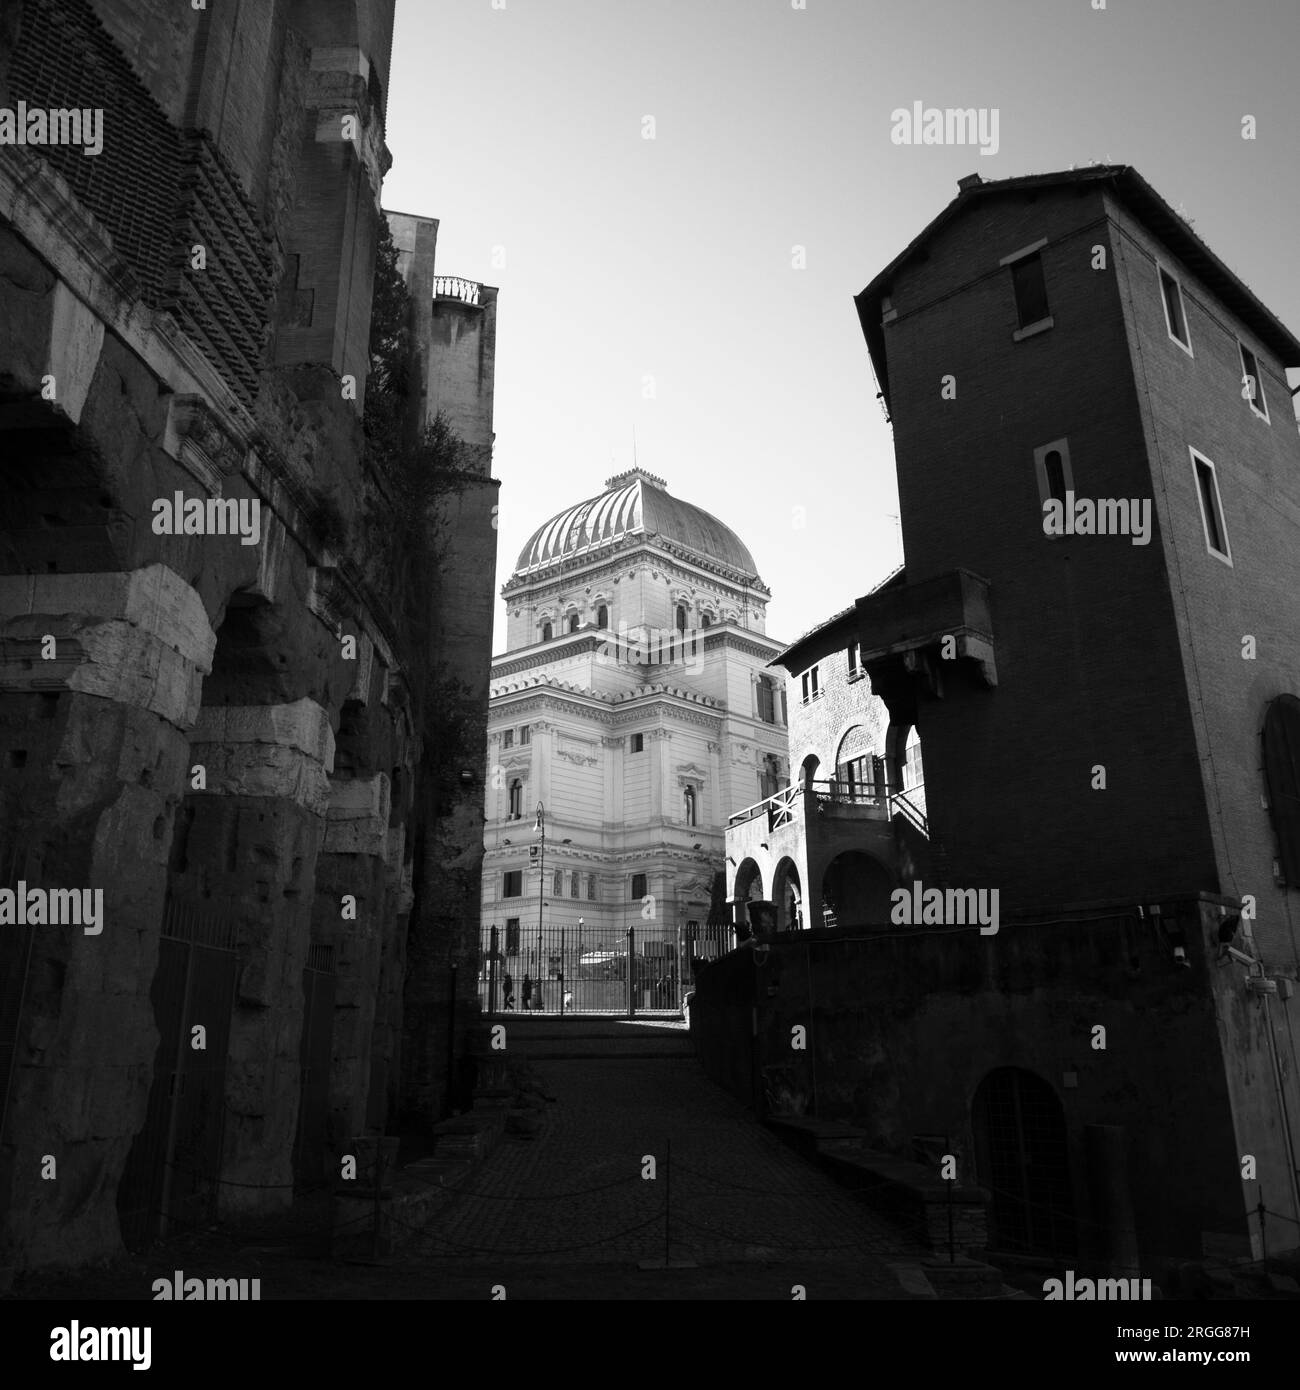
634 503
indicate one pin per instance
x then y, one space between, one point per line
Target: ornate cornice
615 555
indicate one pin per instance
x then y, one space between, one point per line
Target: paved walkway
725 1191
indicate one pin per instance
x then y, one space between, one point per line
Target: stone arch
808 770
749 882
856 890
787 893
1022 1157
896 752
859 768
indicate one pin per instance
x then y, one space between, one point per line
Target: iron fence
569 968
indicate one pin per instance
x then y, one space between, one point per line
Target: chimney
970 181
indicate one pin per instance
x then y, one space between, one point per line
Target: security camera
1240 956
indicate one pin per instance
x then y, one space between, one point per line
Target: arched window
689 798
705 620
516 799
546 632
573 622
602 616
681 617
769 780
1054 467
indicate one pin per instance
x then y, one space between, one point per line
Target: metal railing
902 804
780 806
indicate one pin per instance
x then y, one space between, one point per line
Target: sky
650 288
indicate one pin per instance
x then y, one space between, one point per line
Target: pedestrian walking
528 991
568 999
508 989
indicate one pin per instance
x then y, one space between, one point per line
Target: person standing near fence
528 991
508 991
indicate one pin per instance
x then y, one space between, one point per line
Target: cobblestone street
725 1191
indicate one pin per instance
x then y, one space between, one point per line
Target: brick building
832 844
1109 719
206 732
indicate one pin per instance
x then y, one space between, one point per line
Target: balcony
846 801
453 287
905 624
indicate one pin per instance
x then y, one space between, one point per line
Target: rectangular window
1053 471
525 736
514 884
855 653
1030 290
1252 384
508 739
512 936
638 743
638 886
766 700
573 885
591 888
557 882
814 682
1171 295
1207 492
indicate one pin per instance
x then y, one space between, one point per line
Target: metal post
492 970
952 1182
631 972
668 1198
451 1041
540 830
561 970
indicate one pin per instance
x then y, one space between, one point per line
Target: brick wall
1087 649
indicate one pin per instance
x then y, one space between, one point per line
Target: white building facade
634 702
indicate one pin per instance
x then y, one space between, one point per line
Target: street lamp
539 829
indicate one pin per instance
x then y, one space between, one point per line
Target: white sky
521 128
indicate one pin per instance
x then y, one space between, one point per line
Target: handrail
779 807
910 812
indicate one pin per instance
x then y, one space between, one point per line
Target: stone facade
210 728
630 702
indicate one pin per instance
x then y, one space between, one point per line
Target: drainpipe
1286 1117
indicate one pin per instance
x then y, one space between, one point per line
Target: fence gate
318 982
570 969
175 1160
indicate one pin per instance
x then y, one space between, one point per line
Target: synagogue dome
635 503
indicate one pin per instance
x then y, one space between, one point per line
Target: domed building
633 702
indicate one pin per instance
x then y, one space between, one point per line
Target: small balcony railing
453 287
782 807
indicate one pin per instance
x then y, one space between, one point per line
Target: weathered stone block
141 638
267 751
357 816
